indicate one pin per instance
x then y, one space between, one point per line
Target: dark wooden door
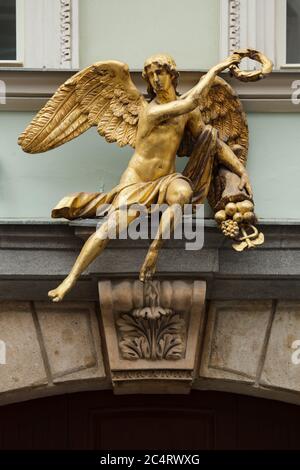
100 420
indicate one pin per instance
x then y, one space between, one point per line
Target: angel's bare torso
156 147
161 126
160 130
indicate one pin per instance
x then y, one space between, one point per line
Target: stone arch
240 346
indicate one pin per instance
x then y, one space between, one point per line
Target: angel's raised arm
190 100
101 95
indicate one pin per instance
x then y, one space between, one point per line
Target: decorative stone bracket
249 333
152 333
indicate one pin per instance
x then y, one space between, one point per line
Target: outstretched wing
223 110
101 95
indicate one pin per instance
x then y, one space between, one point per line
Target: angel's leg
178 194
92 248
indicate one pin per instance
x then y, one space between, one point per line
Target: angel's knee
179 192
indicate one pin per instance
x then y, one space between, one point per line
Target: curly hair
168 64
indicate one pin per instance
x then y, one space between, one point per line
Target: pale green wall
274 164
30 185
131 30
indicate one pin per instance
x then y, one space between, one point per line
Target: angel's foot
58 294
149 267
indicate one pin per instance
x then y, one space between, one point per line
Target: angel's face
159 78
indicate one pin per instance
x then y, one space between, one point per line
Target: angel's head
160 73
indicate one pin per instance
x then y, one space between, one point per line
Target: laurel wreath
253 76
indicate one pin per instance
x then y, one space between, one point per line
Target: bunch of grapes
230 228
235 214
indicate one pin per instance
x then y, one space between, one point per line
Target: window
271 26
288 34
41 34
293 32
8 36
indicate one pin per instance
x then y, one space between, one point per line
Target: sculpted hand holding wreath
207 124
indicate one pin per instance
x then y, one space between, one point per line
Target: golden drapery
89 205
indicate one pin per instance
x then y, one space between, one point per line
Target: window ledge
29 89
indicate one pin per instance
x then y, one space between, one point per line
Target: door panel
200 420
38 424
100 420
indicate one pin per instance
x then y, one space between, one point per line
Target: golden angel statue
207 124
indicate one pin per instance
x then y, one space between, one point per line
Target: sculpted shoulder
163 128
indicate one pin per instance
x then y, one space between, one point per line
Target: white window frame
281 30
47 35
258 24
18 62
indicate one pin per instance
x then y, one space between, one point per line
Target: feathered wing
101 95
222 109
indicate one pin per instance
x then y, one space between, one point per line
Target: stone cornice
28 90
34 256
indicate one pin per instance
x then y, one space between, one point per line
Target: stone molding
33 257
65 33
170 318
234 25
51 40
250 23
28 90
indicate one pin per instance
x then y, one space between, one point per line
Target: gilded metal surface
207 124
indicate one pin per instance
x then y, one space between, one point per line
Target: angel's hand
245 183
234 59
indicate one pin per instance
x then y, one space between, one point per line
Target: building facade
236 315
